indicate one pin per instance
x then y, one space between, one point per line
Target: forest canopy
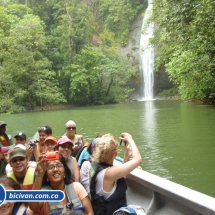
67 51
185 44
64 51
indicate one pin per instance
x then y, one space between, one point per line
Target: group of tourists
85 172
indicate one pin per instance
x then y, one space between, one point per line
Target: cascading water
147 56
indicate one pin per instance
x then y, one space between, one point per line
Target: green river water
176 139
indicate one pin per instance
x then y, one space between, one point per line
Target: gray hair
70 122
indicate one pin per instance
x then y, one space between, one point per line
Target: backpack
130 210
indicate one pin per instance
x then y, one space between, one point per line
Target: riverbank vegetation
60 51
185 43
67 51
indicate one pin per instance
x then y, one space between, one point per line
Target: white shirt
84 175
99 185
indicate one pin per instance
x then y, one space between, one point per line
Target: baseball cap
20 134
51 138
17 152
2 123
63 140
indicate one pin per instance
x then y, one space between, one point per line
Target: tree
43 43
9 94
185 45
25 62
99 78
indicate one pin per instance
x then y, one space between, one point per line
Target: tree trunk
108 90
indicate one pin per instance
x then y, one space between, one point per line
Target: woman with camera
37 145
54 174
107 184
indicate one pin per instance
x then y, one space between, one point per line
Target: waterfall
147 56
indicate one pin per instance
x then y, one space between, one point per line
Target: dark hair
89 148
9 182
78 212
45 128
68 176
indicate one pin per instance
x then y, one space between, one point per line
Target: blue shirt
84 155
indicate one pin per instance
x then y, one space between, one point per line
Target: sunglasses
69 128
66 146
17 159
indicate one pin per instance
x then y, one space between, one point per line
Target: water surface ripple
176 139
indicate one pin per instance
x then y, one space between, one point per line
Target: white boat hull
159 196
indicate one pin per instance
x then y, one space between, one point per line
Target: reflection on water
149 124
176 139
152 155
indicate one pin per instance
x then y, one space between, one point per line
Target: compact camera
122 143
49 156
32 144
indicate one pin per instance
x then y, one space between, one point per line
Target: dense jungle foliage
64 51
185 44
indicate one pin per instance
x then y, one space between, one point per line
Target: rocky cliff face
132 50
133 45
